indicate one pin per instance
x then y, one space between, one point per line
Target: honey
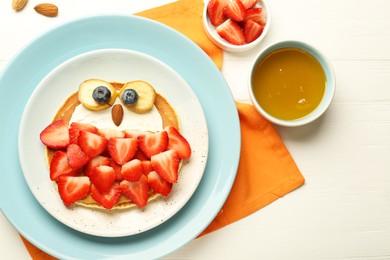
288 83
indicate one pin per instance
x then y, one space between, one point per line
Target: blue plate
28 68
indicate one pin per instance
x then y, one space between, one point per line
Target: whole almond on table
18 5
46 9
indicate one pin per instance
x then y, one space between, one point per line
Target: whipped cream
149 121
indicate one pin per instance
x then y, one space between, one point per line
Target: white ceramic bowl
329 87
225 45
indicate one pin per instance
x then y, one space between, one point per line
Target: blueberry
101 94
129 96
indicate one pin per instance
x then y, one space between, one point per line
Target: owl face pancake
160 111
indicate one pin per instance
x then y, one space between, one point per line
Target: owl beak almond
46 9
117 114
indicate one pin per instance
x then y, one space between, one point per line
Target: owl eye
96 94
138 96
101 94
129 96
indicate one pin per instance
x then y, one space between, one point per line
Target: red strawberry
117 168
106 199
59 166
146 167
56 135
153 143
252 31
235 10
133 133
248 4
122 150
75 129
137 192
231 32
109 133
76 157
178 143
73 188
92 144
95 162
166 164
132 170
158 184
255 14
103 178
140 155
215 11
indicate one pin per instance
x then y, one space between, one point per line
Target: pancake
65 112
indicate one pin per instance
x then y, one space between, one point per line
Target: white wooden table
343 210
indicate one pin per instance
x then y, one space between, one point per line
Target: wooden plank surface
343 210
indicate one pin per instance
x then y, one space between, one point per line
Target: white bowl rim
330 87
223 44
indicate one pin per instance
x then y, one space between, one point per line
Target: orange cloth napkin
185 16
266 169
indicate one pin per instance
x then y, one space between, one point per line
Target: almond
117 114
46 9
18 5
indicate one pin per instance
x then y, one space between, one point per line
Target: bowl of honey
291 83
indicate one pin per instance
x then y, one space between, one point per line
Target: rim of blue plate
23 73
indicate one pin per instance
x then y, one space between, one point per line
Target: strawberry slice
178 143
231 32
146 167
153 143
95 162
56 135
235 10
132 170
103 178
137 192
166 164
158 184
72 188
110 133
255 14
215 11
117 168
76 157
133 133
252 31
140 156
122 150
107 199
76 127
59 166
248 4
92 144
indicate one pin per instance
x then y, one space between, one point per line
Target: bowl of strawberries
236 25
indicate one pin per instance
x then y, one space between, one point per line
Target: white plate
111 65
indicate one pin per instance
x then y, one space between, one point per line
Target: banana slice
146 95
85 94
